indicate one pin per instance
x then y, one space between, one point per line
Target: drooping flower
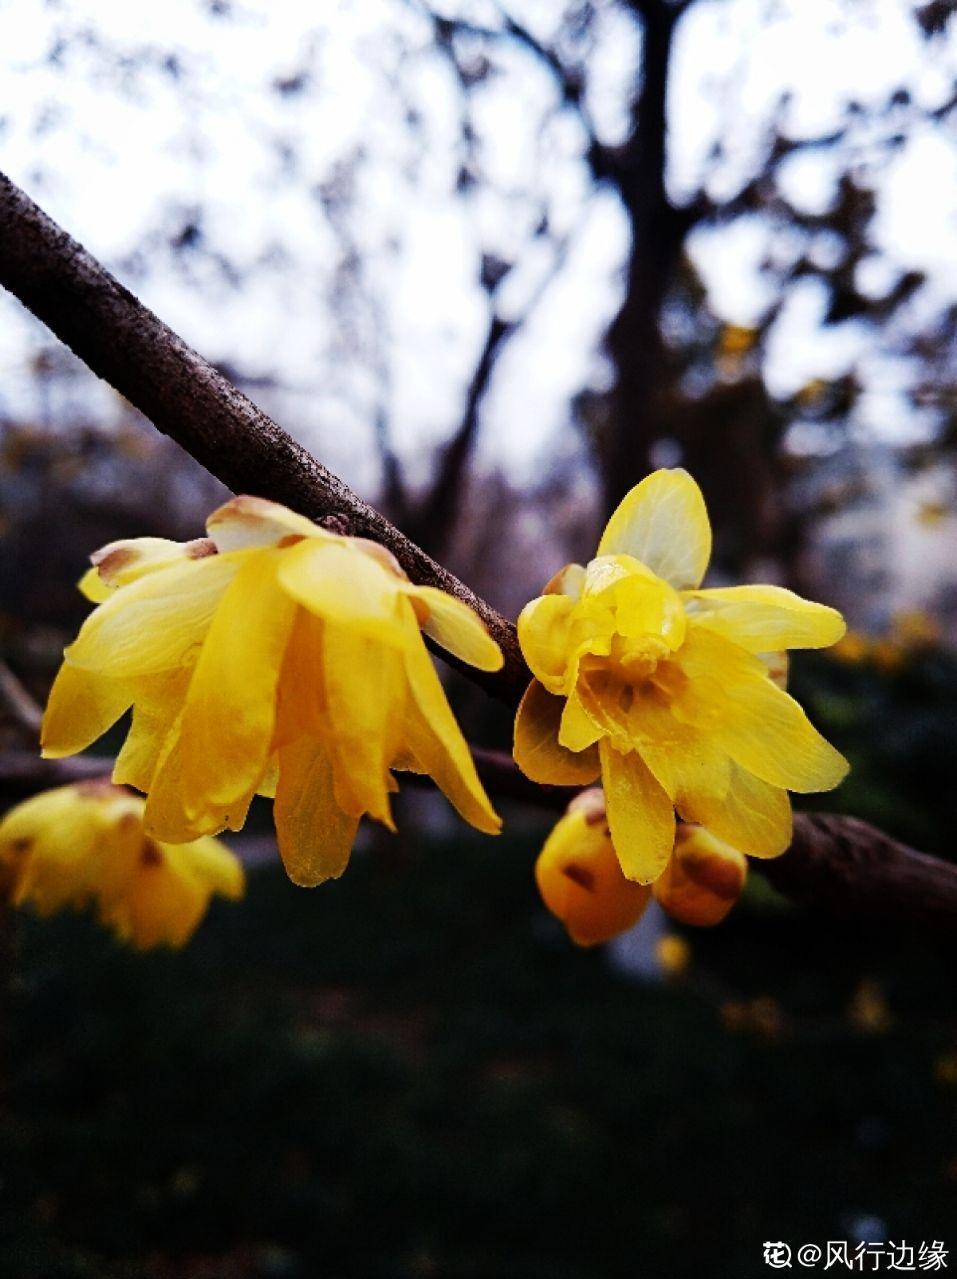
669 692
85 846
703 879
273 658
579 877
581 881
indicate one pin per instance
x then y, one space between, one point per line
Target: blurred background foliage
491 263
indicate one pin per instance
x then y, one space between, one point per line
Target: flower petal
729 695
664 523
765 619
543 634
120 563
156 622
343 584
435 741
536 746
365 691
457 628
315 835
753 817
641 817
230 709
80 709
248 522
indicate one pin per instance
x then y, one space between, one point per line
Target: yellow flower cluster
272 658
670 693
581 882
85 846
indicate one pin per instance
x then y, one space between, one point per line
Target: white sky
123 154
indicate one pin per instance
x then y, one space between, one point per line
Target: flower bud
580 878
703 879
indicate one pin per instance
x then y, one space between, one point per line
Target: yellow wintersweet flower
703 878
272 658
664 689
85 845
581 881
579 878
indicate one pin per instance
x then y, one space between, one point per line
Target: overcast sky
151 118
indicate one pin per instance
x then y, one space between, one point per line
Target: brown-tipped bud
580 879
703 880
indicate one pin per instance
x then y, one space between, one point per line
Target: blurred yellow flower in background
272 658
668 691
85 845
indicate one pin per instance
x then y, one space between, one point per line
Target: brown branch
128 346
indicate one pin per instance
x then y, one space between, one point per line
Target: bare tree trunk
658 229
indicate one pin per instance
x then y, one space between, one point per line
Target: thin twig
18 704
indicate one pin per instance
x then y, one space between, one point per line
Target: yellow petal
664 523
156 622
315 835
247 522
159 701
433 737
753 817
213 864
580 880
578 730
569 581
230 709
120 563
544 637
765 619
536 746
457 628
92 586
81 707
640 815
684 760
729 695
703 880
342 584
365 691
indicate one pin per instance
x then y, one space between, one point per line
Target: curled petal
536 747
457 628
544 636
249 522
664 523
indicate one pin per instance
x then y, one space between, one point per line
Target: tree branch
185 397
